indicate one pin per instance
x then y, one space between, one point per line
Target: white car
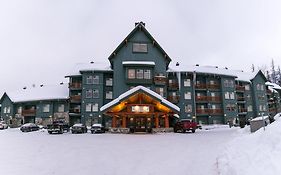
3 125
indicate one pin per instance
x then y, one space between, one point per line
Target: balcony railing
173 86
75 85
173 98
75 98
215 111
241 99
209 111
242 110
213 86
200 86
202 111
201 98
214 99
240 88
74 110
160 80
28 112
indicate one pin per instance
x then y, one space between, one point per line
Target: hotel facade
140 89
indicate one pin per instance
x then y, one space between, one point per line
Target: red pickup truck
185 125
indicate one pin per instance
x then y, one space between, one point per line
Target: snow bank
252 154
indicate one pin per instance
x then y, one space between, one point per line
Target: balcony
240 88
75 99
74 110
200 86
173 86
215 99
75 85
160 80
29 112
242 110
241 99
174 98
201 98
202 111
213 86
215 111
272 110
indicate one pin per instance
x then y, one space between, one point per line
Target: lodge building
140 89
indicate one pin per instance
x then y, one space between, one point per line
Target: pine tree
278 75
273 72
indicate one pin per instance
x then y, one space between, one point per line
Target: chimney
41 85
226 68
177 64
24 88
92 62
61 83
197 65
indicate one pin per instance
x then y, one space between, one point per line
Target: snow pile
251 154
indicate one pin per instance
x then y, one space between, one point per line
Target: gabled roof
47 92
139 26
92 66
134 90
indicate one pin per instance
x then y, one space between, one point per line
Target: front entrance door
140 124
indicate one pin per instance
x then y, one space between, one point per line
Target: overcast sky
41 40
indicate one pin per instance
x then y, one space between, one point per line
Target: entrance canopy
140 100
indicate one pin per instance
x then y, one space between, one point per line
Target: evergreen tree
273 72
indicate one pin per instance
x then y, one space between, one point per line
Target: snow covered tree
273 72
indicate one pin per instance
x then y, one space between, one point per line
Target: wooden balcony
173 99
173 86
74 110
201 98
75 85
29 112
242 110
200 86
213 86
202 111
240 88
160 80
241 99
215 111
216 99
75 98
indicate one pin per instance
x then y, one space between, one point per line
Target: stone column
114 121
166 121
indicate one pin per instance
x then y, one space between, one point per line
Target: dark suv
57 127
185 125
79 128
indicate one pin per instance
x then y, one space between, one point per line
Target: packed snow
252 154
38 153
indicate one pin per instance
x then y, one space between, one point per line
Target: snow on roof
92 66
240 75
260 118
46 92
135 89
273 85
138 63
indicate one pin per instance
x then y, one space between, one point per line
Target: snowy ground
112 154
253 153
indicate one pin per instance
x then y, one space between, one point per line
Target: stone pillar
156 121
124 123
114 121
166 121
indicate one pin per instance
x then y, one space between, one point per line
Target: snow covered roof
47 92
92 66
152 63
273 85
260 118
135 89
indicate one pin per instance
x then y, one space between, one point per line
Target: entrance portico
140 110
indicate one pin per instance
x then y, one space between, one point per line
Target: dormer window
140 47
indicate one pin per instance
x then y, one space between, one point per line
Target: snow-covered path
111 154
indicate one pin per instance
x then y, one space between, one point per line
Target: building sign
140 108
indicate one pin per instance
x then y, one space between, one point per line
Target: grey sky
41 40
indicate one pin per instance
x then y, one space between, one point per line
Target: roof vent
24 87
61 83
197 65
217 67
226 68
41 85
177 64
92 62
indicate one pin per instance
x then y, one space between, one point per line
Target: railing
201 98
202 111
200 86
215 111
214 99
173 98
240 88
160 80
74 110
75 98
213 86
240 98
242 110
75 85
173 85
28 112
209 111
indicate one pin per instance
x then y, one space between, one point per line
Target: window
214 107
213 94
95 107
228 83
174 94
187 95
248 96
147 74
262 87
226 95
225 83
61 108
232 96
250 108
89 93
140 47
247 87
46 108
89 80
88 107
108 82
258 87
186 82
139 73
96 79
212 82
8 109
160 91
231 83
188 108
260 107
95 93
131 74
19 110
108 95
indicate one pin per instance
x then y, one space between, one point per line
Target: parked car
79 128
28 127
3 125
57 127
185 125
97 128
